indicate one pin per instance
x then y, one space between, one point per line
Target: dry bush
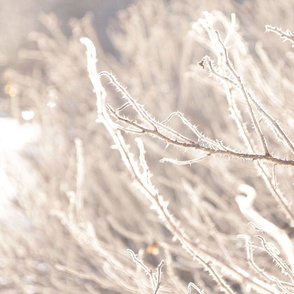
215 133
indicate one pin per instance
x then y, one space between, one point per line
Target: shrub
199 191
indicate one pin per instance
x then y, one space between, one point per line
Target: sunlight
14 136
13 139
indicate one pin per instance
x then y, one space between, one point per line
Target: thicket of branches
173 176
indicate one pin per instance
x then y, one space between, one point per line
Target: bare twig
155 278
285 35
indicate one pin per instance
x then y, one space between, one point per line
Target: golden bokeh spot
10 90
153 248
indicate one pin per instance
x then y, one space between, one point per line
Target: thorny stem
187 143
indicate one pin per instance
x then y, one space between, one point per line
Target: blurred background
67 212
19 19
